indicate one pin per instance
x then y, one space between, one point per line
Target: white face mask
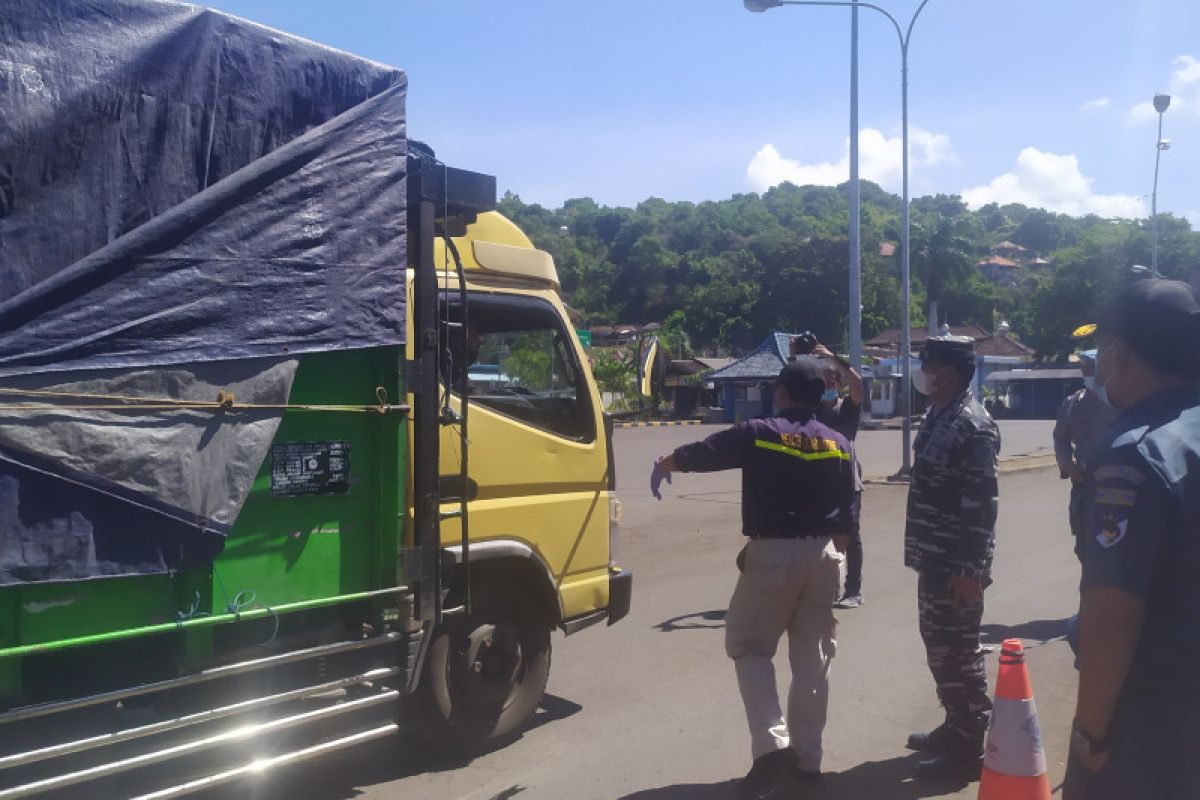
1101 386
922 382
1089 382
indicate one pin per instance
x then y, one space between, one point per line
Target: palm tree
941 257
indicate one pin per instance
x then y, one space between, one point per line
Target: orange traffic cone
1014 762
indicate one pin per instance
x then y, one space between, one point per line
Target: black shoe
849 601
766 770
933 742
949 769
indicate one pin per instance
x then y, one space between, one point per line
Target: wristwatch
1084 745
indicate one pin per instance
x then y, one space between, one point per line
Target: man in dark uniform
1135 733
843 414
797 487
948 540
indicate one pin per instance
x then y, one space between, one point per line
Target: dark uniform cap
804 378
1160 319
956 350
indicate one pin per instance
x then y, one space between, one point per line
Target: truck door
538 466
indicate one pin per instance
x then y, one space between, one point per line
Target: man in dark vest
797 490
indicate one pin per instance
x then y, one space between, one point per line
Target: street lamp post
905 36
1161 103
855 293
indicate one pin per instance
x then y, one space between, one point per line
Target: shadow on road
713 620
890 779
343 775
552 709
1039 631
691 791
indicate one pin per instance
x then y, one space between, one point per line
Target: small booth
1032 393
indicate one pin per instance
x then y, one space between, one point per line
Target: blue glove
656 478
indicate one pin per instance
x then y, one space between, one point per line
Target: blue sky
1035 101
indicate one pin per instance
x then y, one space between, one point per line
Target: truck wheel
486 673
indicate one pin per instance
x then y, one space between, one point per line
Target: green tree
674 335
942 257
725 273
614 374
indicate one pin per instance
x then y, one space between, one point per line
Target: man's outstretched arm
723 450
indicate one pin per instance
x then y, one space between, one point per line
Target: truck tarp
188 202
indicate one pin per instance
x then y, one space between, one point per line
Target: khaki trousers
787 585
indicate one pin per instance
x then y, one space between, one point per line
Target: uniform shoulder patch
1112 530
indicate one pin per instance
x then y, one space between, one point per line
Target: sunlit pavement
648 708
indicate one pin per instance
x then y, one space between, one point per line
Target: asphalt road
648 709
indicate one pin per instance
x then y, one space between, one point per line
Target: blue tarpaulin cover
188 201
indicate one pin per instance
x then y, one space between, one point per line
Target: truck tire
486 673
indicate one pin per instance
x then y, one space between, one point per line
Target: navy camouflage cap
949 349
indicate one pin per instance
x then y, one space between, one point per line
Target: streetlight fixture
905 36
1161 103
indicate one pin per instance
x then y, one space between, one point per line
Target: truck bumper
620 593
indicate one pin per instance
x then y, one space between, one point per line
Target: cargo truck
298 445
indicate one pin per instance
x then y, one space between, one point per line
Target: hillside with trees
728 272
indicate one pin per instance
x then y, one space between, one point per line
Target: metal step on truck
298 445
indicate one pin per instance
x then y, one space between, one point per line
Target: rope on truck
226 401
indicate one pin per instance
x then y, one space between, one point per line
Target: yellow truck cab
540 508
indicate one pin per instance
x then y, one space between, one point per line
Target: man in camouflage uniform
948 540
1081 428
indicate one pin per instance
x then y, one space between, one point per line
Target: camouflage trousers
951 637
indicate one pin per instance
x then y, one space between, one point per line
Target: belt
789 535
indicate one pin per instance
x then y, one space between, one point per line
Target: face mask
829 396
922 382
1089 382
1101 387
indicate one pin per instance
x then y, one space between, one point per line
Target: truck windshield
523 364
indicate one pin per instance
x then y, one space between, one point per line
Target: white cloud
1187 71
1053 182
1144 111
1098 103
1183 86
879 160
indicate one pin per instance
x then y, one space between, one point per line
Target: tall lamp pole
855 293
905 36
1161 103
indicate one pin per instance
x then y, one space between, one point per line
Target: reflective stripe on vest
792 451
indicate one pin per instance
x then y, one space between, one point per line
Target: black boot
767 770
932 742
958 760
